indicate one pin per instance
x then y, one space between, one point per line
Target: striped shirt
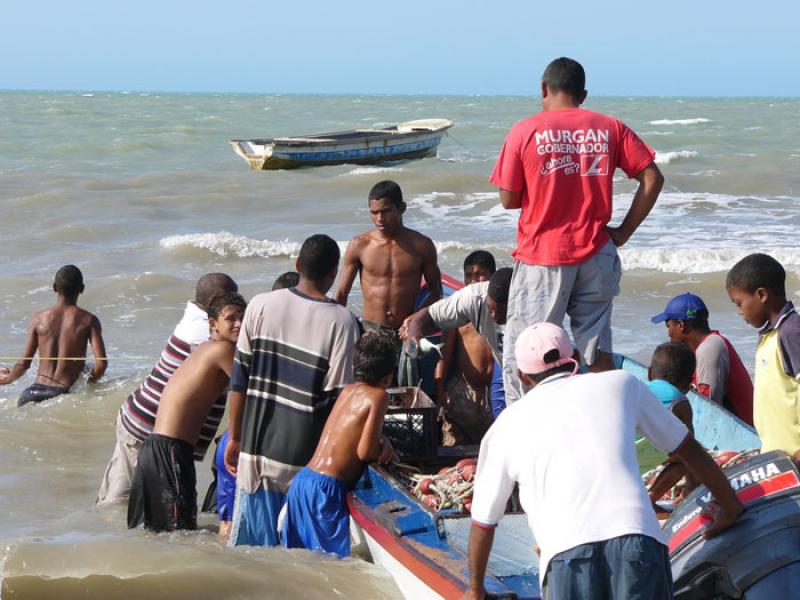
293 357
138 412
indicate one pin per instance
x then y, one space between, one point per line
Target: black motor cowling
759 557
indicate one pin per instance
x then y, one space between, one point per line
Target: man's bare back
61 332
65 331
391 260
352 433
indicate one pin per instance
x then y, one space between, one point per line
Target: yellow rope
115 358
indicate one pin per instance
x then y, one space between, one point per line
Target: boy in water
670 373
60 334
757 286
316 514
163 494
464 374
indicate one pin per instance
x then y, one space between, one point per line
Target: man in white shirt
483 304
569 444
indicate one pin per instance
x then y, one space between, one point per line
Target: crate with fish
410 424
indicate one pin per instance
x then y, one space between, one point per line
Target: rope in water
114 358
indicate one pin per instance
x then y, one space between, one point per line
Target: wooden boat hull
407 141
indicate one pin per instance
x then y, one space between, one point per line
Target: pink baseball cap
536 342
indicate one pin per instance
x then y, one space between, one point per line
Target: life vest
738 397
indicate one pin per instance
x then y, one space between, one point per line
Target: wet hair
220 301
673 362
757 271
389 190
375 357
69 281
565 75
213 284
499 284
319 257
287 280
481 258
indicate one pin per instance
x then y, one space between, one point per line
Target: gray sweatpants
584 292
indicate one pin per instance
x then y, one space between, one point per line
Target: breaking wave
680 121
699 260
227 244
667 158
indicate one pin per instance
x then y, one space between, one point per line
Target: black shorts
39 393
163 492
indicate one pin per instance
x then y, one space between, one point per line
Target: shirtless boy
163 494
462 391
391 261
60 334
316 514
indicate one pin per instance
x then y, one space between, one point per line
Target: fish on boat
404 141
423 544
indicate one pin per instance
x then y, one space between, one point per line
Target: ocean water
143 192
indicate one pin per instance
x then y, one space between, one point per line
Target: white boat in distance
412 139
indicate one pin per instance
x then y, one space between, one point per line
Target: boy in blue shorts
316 513
757 286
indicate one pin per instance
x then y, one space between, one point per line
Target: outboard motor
758 558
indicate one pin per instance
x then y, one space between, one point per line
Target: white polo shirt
569 443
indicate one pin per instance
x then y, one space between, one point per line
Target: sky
471 47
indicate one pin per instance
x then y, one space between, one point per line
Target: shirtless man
60 334
163 493
462 391
317 517
391 260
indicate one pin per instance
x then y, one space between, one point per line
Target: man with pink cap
569 445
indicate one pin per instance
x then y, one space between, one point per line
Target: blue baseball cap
686 307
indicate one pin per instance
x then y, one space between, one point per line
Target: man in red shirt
558 167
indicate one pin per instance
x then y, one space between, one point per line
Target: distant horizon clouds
471 47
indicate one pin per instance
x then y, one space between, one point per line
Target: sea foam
698 260
667 158
227 244
679 121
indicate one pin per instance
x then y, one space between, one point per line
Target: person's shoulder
711 347
360 241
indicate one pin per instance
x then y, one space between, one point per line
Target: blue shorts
255 518
316 514
226 483
629 567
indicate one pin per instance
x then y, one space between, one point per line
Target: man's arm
510 200
98 349
480 546
236 407
650 183
370 445
8 376
703 467
417 325
433 277
351 265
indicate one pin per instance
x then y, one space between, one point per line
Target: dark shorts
407 368
38 393
629 567
163 492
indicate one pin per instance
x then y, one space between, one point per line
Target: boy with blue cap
720 374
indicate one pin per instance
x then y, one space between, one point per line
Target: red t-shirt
563 162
